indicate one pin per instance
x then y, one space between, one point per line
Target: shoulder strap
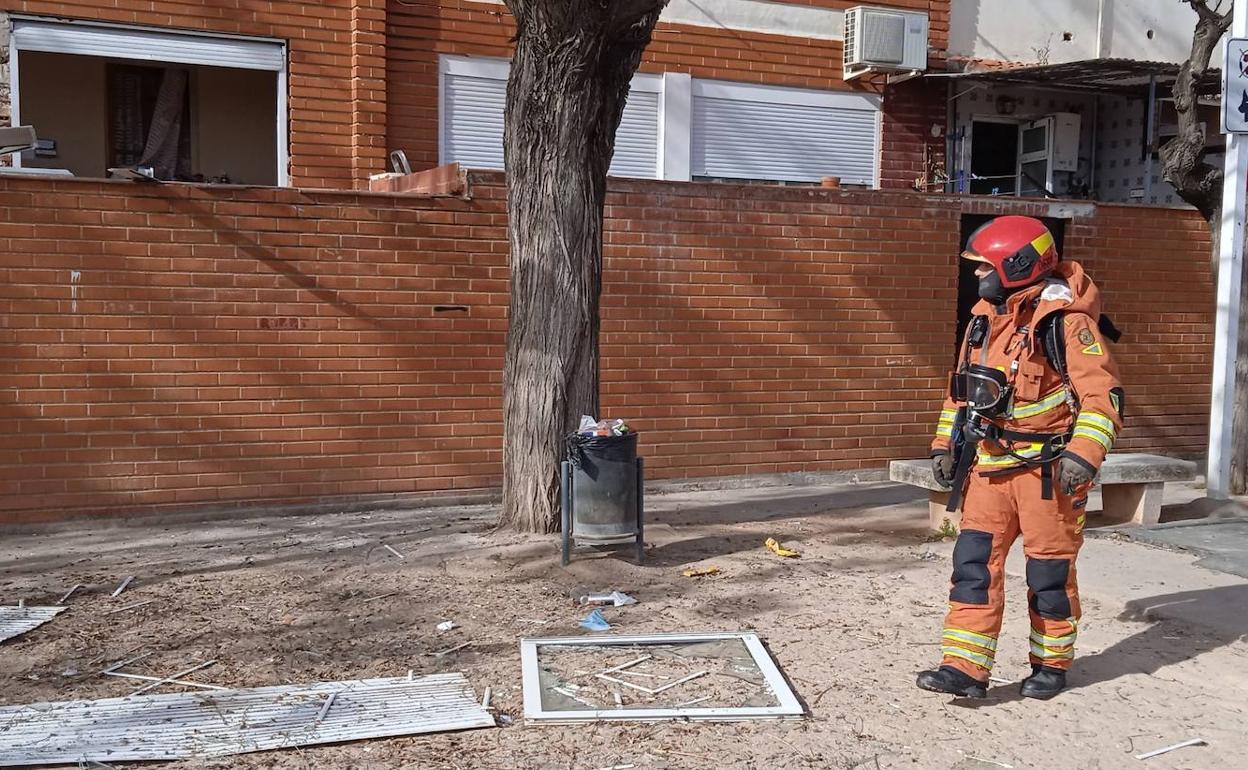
1052 334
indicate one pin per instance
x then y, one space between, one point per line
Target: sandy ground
288 600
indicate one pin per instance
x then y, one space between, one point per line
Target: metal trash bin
602 498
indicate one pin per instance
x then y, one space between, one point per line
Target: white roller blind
472 115
118 42
783 134
637 140
474 94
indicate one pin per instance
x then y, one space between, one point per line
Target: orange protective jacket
1041 402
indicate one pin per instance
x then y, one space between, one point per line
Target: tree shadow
1183 626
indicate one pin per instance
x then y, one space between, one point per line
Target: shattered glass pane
712 674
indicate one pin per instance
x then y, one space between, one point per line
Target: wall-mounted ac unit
884 40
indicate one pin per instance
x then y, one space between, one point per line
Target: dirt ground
293 600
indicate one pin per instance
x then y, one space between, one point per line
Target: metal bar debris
69 593
689 678
1174 747
449 650
325 709
171 726
124 584
145 678
15 621
130 607
391 550
124 663
168 679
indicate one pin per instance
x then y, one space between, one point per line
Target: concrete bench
1131 486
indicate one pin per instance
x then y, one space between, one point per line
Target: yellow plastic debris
780 550
701 571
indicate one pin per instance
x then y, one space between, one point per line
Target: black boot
948 679
1044 682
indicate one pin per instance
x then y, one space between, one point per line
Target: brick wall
180 345
421 30
336 61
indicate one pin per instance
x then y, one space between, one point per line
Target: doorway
994 157
968 286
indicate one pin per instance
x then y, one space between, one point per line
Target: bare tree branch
1183 157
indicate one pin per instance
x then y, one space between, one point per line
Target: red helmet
1020 249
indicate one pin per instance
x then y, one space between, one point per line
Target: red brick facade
364 73
181 345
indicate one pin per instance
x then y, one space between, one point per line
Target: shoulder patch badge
1093 350
1086 338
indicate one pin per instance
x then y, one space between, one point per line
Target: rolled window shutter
746 132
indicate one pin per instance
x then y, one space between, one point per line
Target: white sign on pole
1235 87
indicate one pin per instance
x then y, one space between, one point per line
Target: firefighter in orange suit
1035 405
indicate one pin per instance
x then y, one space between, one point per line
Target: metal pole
1152 137
1230 268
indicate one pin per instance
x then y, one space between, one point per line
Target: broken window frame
134 43
787 704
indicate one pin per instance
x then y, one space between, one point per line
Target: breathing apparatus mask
984 389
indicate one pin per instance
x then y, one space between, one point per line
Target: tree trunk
569 80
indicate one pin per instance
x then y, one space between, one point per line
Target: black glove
942 469
1073 475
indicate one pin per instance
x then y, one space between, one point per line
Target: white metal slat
737 138
148 45
473 127
182 725
15 621
637 140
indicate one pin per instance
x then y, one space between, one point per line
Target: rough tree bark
569 80
1200 184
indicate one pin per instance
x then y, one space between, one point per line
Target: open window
187 106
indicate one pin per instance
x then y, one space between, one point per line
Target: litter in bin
591 427
780 550
615 598
595 622
694 572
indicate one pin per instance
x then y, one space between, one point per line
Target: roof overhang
1118 76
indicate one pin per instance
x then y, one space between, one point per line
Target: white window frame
768 94
787 705
499 69
200 48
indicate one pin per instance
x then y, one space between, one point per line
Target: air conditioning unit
884 40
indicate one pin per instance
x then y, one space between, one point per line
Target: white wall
1011 30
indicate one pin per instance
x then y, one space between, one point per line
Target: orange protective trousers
996 511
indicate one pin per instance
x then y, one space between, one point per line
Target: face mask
990 289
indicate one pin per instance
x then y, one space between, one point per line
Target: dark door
994 158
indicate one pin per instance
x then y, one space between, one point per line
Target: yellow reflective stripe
1032 450
957 652
979 640
948 414
943 431
1053 641
1048 403
1097 420
1041 651
1095 434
